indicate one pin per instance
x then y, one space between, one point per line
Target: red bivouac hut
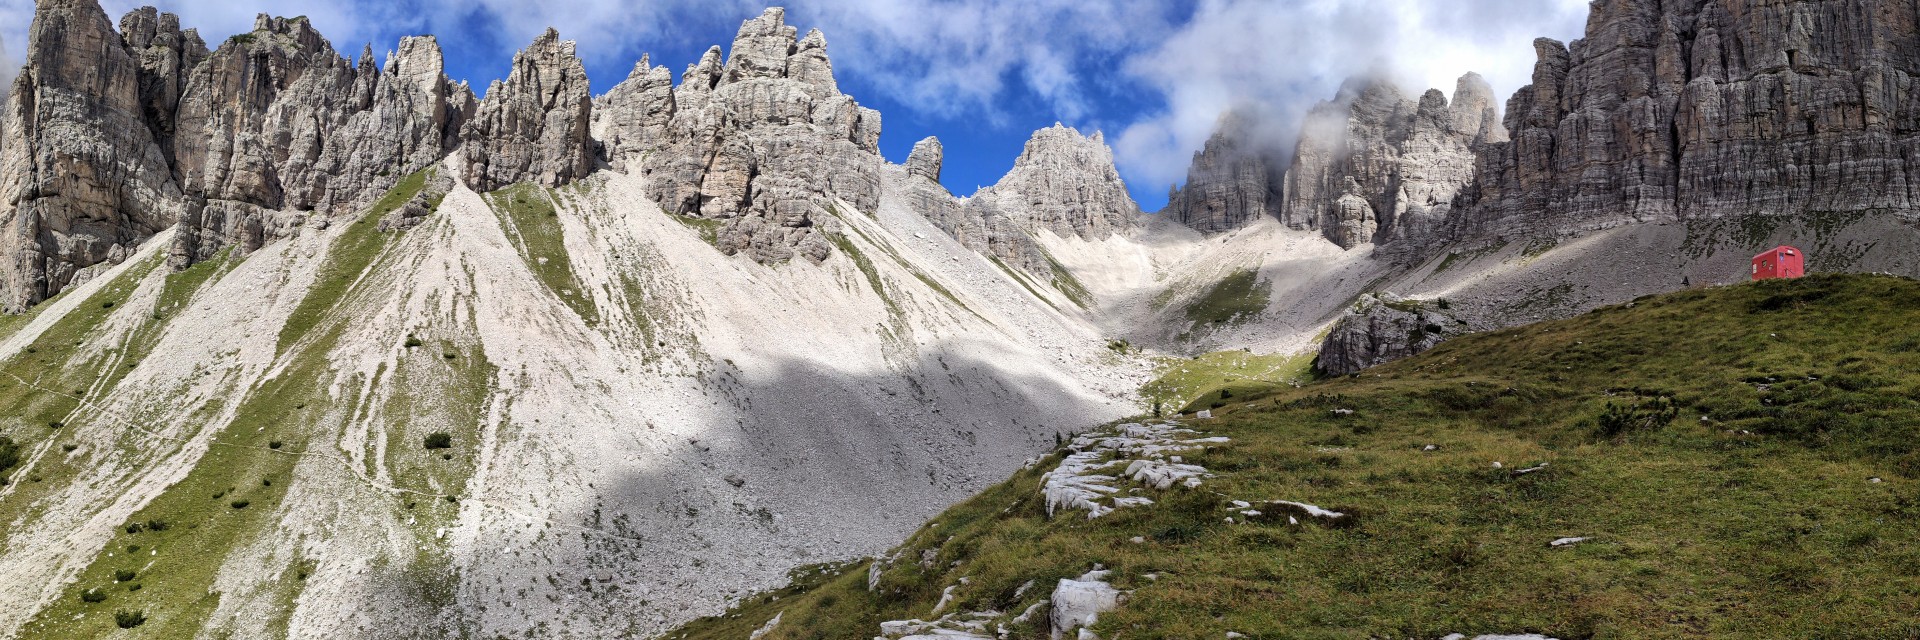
1780 262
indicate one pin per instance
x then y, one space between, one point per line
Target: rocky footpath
1382 328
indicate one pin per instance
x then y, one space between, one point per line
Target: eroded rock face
766 142
1066 183
1664 111
82 179
1383 328
926 159
1232 182
534 126
275 122
115 135
1375 167
632 119
1708 109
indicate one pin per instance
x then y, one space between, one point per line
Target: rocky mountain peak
705 74
766 142
535 125
1476 111
632 118
1232 181
1069 185
762 47
926 159
1373 166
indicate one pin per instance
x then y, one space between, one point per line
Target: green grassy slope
1719 447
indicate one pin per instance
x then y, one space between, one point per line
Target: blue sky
981 74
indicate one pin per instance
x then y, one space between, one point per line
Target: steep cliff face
631 120
1233 181
1707 109
534 126
1664 111
82 178
1063 182
765 142
276 122
1375 167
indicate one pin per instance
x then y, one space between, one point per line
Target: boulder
1381 328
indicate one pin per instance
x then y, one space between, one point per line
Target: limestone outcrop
275 122
632 119
1664 111
534 126
1709 109
1066 183
1232 182
1380 329
115 135
767 143
926 160
82 179
1375 167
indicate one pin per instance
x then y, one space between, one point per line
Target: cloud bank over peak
9 67
1281 58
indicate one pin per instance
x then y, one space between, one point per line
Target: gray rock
1375 167
926 159
767 143
535 125
631 120
1066 183
1383 328
82 179
275 121
1232 182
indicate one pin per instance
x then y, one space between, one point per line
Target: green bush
439 440
129 619
93 595
157 525
123 575
414 342
1644 416
240 504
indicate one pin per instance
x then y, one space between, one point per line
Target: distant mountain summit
1663 113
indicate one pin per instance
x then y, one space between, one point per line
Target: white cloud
9 67
951 59
1284 57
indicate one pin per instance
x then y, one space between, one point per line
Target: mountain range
302 345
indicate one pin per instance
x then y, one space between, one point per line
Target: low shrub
123 575
129 619
93 595
439 440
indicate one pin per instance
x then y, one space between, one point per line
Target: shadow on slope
1739 461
